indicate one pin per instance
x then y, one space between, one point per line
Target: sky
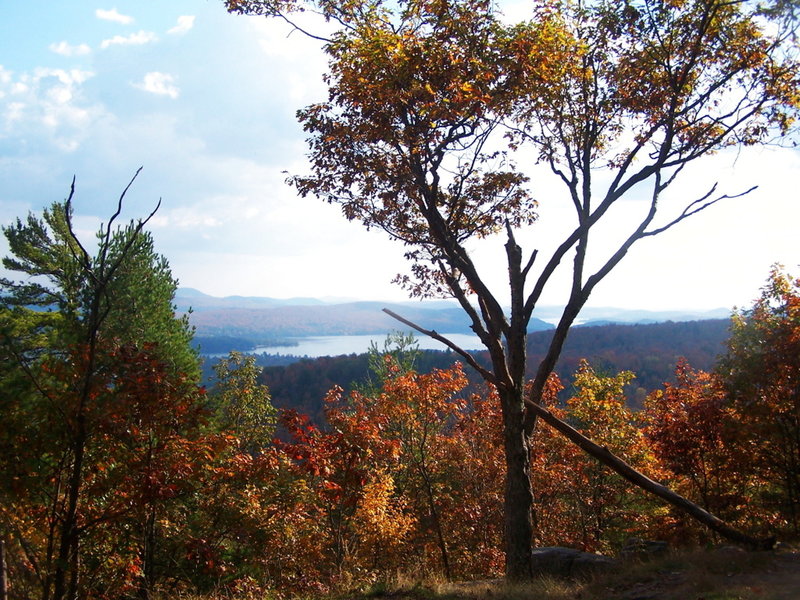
205 103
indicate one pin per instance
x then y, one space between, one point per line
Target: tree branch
487 375
695 207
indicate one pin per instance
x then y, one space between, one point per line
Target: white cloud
65 49
71 77
297 59
185 23
161 84
49 104
113 15
134 39
186 218
14 111
57 105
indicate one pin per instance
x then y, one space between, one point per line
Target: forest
122 476
651 351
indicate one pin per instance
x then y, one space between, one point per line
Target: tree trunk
148 555
68 547
3 571
437 524
75 568
518 491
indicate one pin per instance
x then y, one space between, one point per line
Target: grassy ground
702 575
726 574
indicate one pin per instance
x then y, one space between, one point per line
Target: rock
568 563
731 550
643 549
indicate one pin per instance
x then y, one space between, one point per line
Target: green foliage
399 355
240 404
99 387
123 293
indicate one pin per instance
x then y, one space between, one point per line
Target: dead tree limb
488 375
605 456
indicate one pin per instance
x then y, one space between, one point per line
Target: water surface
335 345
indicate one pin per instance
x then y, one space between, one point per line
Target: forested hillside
650 351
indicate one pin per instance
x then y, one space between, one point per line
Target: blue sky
205 102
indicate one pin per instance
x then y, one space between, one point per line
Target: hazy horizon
332 300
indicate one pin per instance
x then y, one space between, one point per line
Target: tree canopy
438 111
100 369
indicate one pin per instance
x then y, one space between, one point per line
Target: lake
335 345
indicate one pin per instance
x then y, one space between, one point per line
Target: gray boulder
568 563
643 549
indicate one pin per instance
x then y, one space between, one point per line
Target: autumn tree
432 102
340 468
404 478
64 323
690 428
418 410
601 509
475 453
146 459
730 436
759 374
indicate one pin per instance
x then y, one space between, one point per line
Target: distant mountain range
198 301
625 316
265 321
258 320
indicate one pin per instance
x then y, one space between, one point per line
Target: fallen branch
605 456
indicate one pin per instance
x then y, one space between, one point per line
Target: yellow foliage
380 518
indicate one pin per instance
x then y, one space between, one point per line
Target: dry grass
544 588
700 575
